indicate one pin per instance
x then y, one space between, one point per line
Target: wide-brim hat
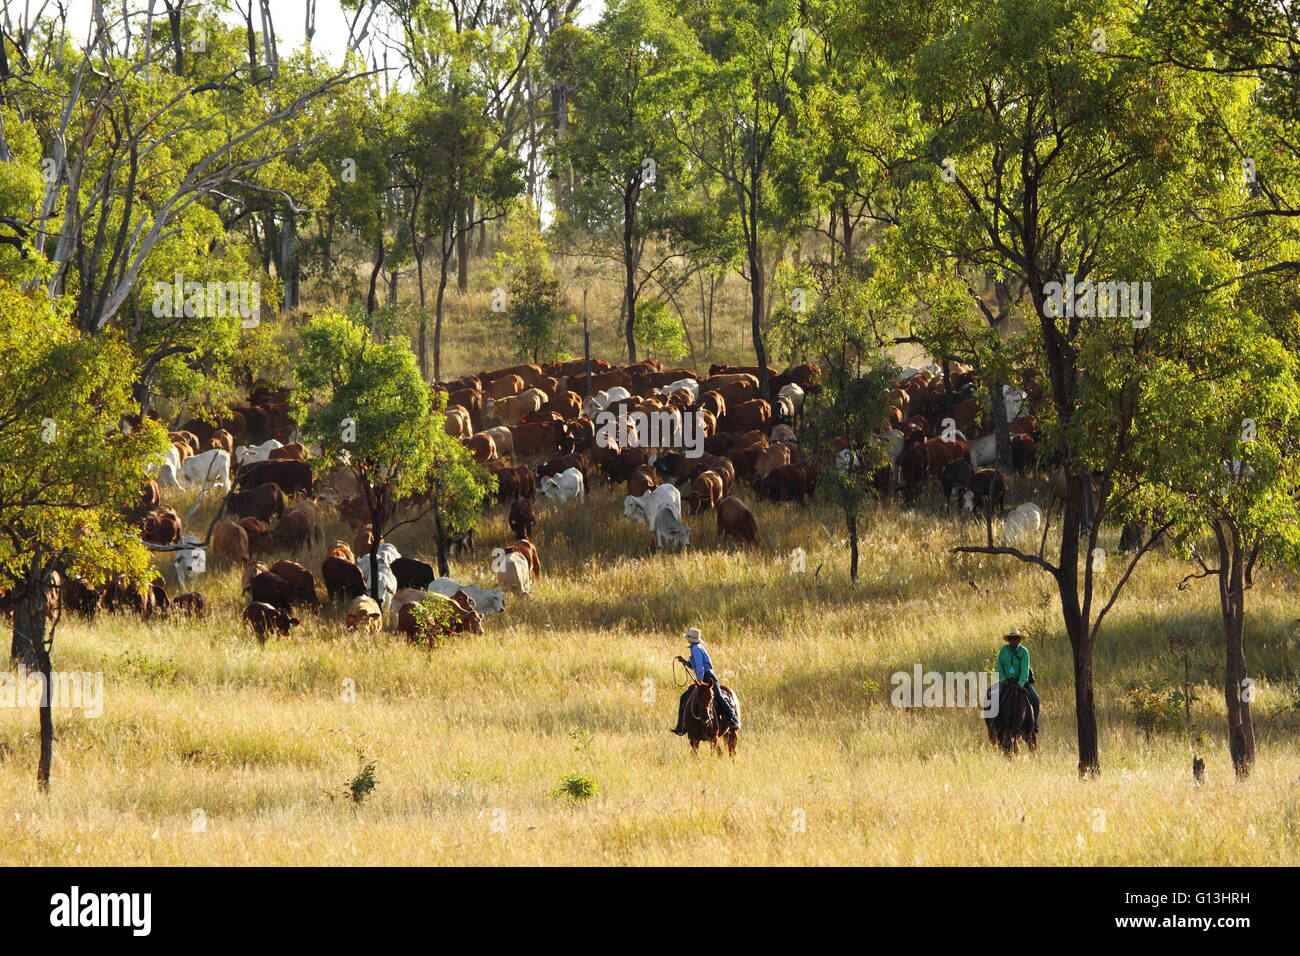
1014 632
692 635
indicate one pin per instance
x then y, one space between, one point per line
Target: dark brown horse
1014 719
702 719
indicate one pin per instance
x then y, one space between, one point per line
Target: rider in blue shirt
702 668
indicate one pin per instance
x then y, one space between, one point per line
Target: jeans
1034 701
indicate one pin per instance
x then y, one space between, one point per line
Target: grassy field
215 750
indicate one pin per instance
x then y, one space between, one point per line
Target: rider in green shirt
1013 665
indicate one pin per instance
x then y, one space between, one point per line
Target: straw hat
692 635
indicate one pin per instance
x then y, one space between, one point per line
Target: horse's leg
695 748
733 740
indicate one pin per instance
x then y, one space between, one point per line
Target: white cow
1025 519
566 486
249 453
896 443
984 451
487 601
689 384
670 530
789 401
595 403
387 580
616 394
647 507
511 569
168 470
1013 400
211 467
189 561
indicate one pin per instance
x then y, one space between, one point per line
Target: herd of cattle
536 428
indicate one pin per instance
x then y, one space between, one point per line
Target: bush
658 331
1156 708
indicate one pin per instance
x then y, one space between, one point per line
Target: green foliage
576 786
362 785
658 331
534 311
1156 708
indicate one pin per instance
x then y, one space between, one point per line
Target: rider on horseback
1013 665
702 668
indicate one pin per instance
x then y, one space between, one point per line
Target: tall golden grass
215 750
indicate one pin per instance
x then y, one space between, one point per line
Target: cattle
150 500
736 521
1026 519
481 447
292 532
189 604
804 376
715 382
211 467
511 570
514 483
343 579
337 485
457 422
521 519
736 393
568 405
269 588
745 416
723 467
1024 453
926 459
647 507
79 598
161 527
670 530
511 411
307 508
529 551
259 536
292 476
264 618
985 490
600 382
168 470
789 403
470 399
576 437
566 486
189 560
294 451
533 439
341 549
253 569
562 463
643 479
783 434
363 612
713 403
302 581
577 367
436 615
411 573
230 542
222 439
789 483
956 475
705 493
124 595
771 457
487 601
265 502
503 387
528 374
502 440
387 580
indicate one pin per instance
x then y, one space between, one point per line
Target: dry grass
471 739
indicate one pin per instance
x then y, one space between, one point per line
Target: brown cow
222 439
302 581
511 411
270 589
528 550
265 502
533 439
292 532
294 451
230 542
745 416
457 422
341 549
522 520
716 382
528 374
735 521
259 536
481 447
343 579
601 382
161 527
264 618
705 493
190 604
503 387
773 456
642 479
502 439
364 612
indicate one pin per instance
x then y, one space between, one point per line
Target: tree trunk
289 260
1001 430
1076 628
629 272
462 249
28 648
756 318
372 300
851 519
444 569
437 321
1232 601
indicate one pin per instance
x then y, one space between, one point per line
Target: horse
702 719
1014 719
